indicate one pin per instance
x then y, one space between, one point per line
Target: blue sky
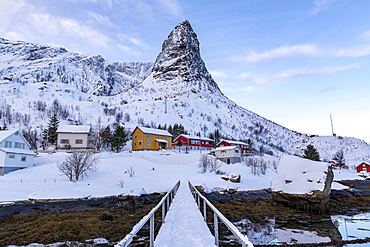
293 62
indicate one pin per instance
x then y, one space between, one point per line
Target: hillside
176 88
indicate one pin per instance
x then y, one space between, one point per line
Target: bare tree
32 136
79 163
208 162
339 158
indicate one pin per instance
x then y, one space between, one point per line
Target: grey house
228 154
15 152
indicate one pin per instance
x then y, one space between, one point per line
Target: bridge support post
215 221
151 228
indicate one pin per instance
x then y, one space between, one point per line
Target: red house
242 145
363 167
189 142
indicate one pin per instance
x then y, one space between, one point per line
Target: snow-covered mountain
176 88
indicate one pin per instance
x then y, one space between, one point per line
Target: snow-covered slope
177 88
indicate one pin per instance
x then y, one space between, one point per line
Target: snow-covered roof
226 148
296 175
234 142
161 140
74 129
5 134
154 131
17 151
196 138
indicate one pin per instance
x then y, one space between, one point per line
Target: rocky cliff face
31 63
180 62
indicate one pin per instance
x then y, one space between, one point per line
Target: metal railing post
204 210
242 239
151 233
163 212
215 222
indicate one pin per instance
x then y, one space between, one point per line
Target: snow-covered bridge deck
184 224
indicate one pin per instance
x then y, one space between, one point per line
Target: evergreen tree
311 153
106 136
119 138
50 134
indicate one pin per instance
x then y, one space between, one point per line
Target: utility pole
165 104
332 128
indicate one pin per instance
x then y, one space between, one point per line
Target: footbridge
180 220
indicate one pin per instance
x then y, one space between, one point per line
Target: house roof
74 129
17 151
161 140
366 163
196 138
154 131
226 148
234 142
6 134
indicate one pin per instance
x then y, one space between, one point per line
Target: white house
15 152
228 154
73 136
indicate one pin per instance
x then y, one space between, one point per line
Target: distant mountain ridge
176 88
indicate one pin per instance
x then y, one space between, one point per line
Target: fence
243 240
165 204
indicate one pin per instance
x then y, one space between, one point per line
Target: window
134 144
11 156
148 136
166 137
195 142
236 151
64 141
159 137
148 144
135 136
139 143
23 158
8 144
19 145
79 141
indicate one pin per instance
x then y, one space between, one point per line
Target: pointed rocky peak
180 61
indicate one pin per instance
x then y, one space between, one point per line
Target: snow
5 134
154 131
155 171
74 129
18 151
299 176
226 148
184 225
190 137
234 142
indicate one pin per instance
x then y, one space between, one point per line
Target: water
303 230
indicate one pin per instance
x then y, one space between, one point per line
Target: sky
292 62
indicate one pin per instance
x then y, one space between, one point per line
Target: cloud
102 19
321 5
248 76
218 74
137 42
312 72
280 52
366 35
353 52
172 6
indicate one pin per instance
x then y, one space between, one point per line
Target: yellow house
150 139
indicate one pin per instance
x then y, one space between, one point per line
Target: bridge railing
217 215
165 205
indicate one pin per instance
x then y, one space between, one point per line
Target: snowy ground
155 171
